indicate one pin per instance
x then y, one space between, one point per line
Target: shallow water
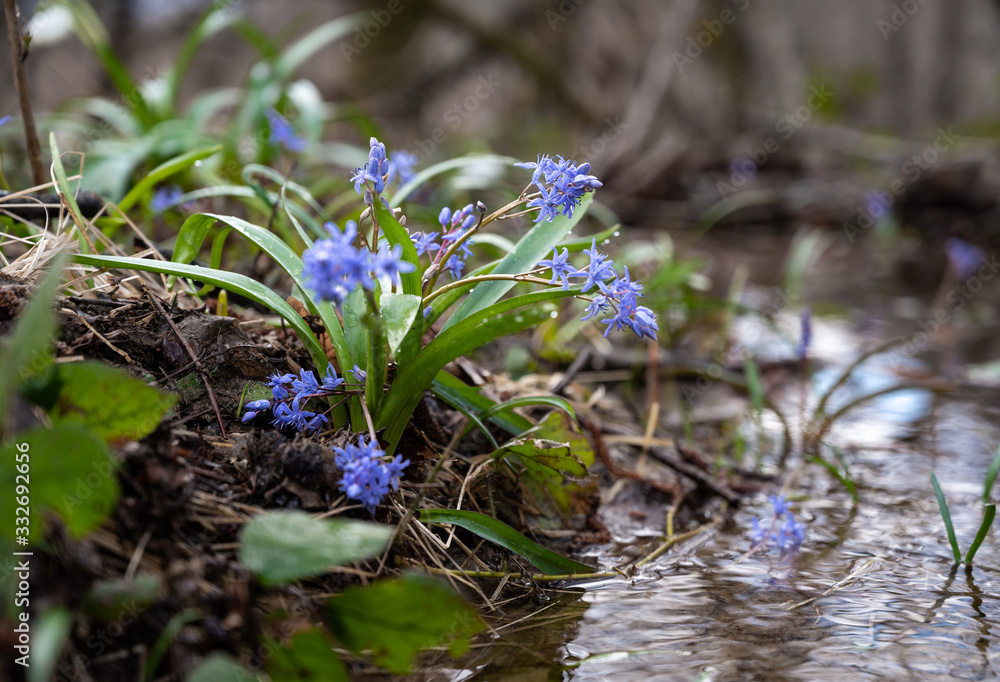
873 594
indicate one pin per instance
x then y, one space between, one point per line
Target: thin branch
18 55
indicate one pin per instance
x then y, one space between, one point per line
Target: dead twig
18 55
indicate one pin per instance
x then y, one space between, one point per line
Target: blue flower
561 184
598 270
331 381
306 384
560 267
778 504
786 537
374 172
425 243
963 257
389 263
366 477
334 267
4 120
258 405
454 267
164 197
282 132
805 336
401 166
278 382
359 374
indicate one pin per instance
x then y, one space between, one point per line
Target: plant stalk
18 57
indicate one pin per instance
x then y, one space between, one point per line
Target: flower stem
483 278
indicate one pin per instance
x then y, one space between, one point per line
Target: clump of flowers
782 532
367 476
334 267
561 185
291 393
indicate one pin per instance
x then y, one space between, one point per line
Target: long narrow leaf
991 475
62 186
164 171
545 560
984 528
467 399
486 325
232 281
532 247
946 516
411 284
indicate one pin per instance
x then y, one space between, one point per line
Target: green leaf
62 186
283 546
545 470
398 618
991 474
170 630
453 391
221 668
946 517
49 637
216 18
477 330
398 313
117 598
443 167
309 658
411 282
488 528
31 335
984 528
311 43
193 233
164 171
71 473
232 281
108 401
531 248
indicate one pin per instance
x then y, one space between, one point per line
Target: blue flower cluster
367 477
333 267
282 132
401 167
453 226
561 184
291 393
788 537
617 295
375 173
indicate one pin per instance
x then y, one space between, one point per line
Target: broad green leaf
547 470
497 532
309 658
112 404
49 636
164 171
443 167
71 473
398 313
531 248
218 667
32 333
398 618
409 385
354 311
411 282
283 546
232 281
